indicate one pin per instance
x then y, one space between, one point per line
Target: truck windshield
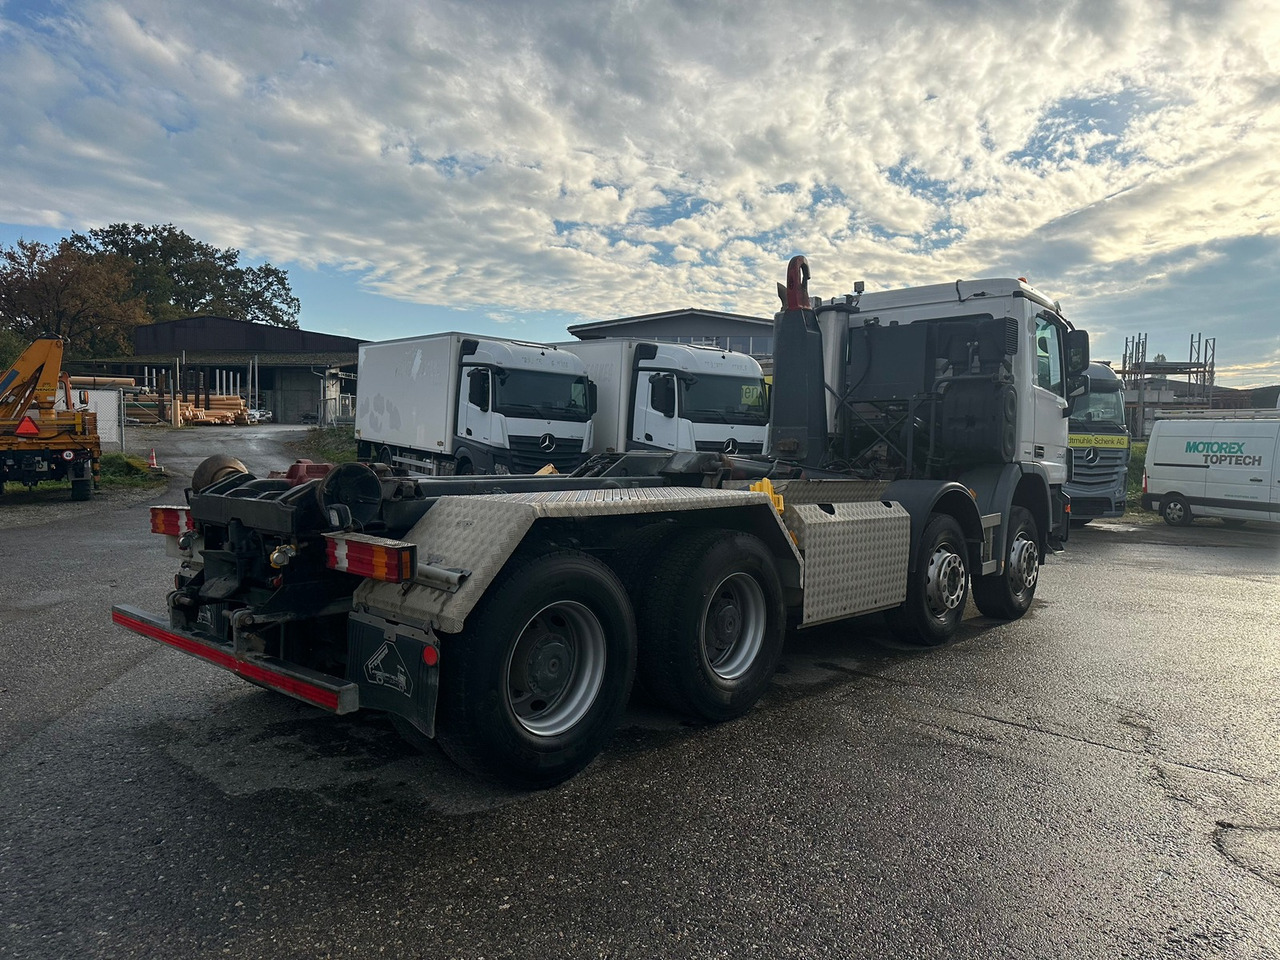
709 399
1103 407
547 396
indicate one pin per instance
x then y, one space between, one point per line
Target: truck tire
463 468
1175 510
1008 595
937 589
713 620
535 685
82 489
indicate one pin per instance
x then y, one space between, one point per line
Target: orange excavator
40 440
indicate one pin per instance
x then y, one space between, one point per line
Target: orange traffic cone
152 461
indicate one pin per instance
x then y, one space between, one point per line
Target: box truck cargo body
653 395
1213 468
453 403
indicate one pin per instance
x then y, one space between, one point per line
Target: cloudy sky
514 167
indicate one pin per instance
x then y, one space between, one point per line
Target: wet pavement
1099 779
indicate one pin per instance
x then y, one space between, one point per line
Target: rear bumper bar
310 686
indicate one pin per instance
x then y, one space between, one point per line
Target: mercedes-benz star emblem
731 446
1091 455
546 443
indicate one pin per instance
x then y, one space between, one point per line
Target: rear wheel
463 468
1175 510
713 621
937 588
82 489
1008 595
533 688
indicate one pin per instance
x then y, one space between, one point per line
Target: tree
180 276
64 291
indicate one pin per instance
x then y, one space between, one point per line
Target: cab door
1050 400
655 423
475 405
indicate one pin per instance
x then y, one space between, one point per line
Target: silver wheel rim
1173 510
944 581
556 669
1024 566
733 626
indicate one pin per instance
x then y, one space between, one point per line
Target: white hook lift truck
914 454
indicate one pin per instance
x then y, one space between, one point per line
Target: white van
1213 468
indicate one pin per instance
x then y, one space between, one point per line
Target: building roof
223 335
586 331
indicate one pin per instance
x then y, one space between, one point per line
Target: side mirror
593 398
1077 387
1077 347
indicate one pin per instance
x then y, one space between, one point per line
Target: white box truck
654 395
454 403
1214 468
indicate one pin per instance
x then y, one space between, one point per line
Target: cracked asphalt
1100 779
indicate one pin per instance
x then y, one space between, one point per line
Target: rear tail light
171 521
394 561
1144 481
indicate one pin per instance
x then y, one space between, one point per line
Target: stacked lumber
220 410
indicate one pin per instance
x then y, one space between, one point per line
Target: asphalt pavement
1099 779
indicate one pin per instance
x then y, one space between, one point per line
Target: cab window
1048 356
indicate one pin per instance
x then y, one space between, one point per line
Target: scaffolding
1139 373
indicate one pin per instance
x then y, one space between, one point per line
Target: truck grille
527 455
717 446
1101 472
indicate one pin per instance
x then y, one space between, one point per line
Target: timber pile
220 410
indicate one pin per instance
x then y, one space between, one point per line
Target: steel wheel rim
733 626
556 669
944 581
1173 511
1024 566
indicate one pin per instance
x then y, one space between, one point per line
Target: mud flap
1059 521
395 667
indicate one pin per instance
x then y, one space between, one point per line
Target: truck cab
1099 440
655 395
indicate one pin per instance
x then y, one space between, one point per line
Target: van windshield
1100 408
714 399
546 396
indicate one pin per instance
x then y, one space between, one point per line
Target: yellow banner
1109 440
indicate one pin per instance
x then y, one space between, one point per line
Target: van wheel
713 621
1008 595
533 688
1175 510
937 589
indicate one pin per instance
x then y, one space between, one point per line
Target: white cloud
606 159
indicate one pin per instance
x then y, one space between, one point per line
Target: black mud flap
1059 521
396 668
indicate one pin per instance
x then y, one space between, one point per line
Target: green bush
327 445
123 470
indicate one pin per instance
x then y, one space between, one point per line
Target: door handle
1255 479
468 431
649 437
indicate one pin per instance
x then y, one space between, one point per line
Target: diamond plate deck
480 533
855 557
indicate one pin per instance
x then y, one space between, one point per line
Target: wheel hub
550 664
945 581
1024 566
